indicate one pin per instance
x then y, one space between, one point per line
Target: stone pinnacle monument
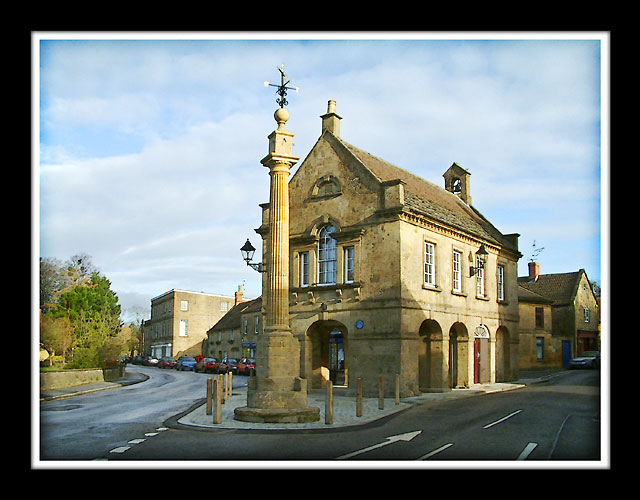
277 393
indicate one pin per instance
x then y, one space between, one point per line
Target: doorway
336 358
481 366
329 351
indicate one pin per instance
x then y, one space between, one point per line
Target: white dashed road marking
527 451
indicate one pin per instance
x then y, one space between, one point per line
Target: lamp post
277 393
481 260
247 251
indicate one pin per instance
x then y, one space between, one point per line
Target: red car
167 362
206 365
227 365
246 366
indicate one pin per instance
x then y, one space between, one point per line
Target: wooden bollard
381 393
217 396
209 389
359 398
397 389
222 390
328 403
230 386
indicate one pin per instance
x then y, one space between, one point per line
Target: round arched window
327 256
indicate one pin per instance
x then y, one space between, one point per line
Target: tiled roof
526 295
560 288
425 198
232 318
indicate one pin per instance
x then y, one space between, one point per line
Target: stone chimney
239 295
534 271
331 121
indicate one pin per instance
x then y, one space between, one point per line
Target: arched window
327 256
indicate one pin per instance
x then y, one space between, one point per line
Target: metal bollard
381 393
359 398
397 389
328 403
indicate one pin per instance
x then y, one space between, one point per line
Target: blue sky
149 150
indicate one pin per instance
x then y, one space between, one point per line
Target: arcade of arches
458 359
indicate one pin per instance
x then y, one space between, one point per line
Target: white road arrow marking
408 436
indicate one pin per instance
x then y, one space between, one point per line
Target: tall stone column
277 393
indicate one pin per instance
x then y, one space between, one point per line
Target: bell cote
456 181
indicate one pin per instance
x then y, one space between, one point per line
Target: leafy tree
95 299
75 298
56 335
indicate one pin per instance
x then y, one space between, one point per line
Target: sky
147 147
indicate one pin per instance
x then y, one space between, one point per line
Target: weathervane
536 252
282 88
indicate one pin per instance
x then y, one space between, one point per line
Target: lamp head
247 251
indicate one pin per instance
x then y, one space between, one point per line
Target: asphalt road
555 421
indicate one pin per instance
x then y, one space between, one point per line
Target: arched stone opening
328 341
429 356
503 355
458 356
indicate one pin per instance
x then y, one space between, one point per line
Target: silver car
588 359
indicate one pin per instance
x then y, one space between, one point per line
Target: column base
277 415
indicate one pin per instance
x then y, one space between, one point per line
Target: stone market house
385 276
574 312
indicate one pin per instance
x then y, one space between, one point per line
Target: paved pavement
343 406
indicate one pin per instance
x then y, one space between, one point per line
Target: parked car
149 361
246 366
206 365
124 360
588 359
186 363
137 360
227 365
167 362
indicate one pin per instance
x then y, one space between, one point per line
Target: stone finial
281 116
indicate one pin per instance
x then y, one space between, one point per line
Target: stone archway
428 357
503 355
458 356
328 343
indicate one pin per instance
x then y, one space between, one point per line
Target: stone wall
70 378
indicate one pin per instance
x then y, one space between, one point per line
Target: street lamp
481 260
247 251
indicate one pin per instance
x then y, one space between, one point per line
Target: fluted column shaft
278 270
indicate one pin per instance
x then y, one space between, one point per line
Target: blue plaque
359 324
